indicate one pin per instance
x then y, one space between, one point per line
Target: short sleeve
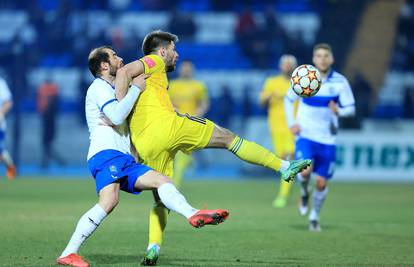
291 96
152 64
102 96
346 97
266 90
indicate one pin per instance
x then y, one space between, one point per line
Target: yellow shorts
283 143
159 141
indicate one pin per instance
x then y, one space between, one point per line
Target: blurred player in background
273 94
6 103
316 126
110 160
48 108
189 96
158 132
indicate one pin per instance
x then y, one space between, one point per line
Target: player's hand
333 106
140 81
295 129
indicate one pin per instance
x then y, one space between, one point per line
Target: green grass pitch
363 225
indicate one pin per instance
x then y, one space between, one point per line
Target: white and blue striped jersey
99 96
5 96
316 121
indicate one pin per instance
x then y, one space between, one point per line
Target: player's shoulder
97 86
273 78
152 61
335 76
198 84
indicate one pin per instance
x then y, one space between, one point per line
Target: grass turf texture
363 224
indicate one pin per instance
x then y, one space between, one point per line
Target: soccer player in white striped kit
316 126
6 103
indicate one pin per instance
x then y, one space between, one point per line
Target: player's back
317 121
100 93
186 95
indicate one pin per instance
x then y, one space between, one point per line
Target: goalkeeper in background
272 95
189 96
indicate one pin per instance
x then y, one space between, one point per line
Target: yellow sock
284 189
157 222
181 163
254 153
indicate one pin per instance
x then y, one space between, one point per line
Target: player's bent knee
151 180
321 183
109 202
109 197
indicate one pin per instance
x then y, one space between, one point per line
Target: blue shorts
110 166
323 156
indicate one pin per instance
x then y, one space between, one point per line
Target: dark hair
322 46
96 57
156 39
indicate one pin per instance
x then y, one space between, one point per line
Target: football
306 80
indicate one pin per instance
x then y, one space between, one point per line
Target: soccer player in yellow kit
158 132
189 96
272 95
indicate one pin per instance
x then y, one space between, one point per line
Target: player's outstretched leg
256 154
173 200
87 224
318 198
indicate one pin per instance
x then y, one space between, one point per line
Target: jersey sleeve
266 90
102 97
346 97
291 96
152 64
289 107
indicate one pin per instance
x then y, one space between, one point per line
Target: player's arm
289 106
5 108
125 75
118 110
265 94
346 107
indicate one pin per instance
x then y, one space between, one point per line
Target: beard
170 68
113 70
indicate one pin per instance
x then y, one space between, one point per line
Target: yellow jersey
154 102
276 87
186 95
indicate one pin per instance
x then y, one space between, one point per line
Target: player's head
102 60
287 63
186 69
163 44
323 57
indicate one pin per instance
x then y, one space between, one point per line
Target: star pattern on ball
296 79
312 75
307 91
